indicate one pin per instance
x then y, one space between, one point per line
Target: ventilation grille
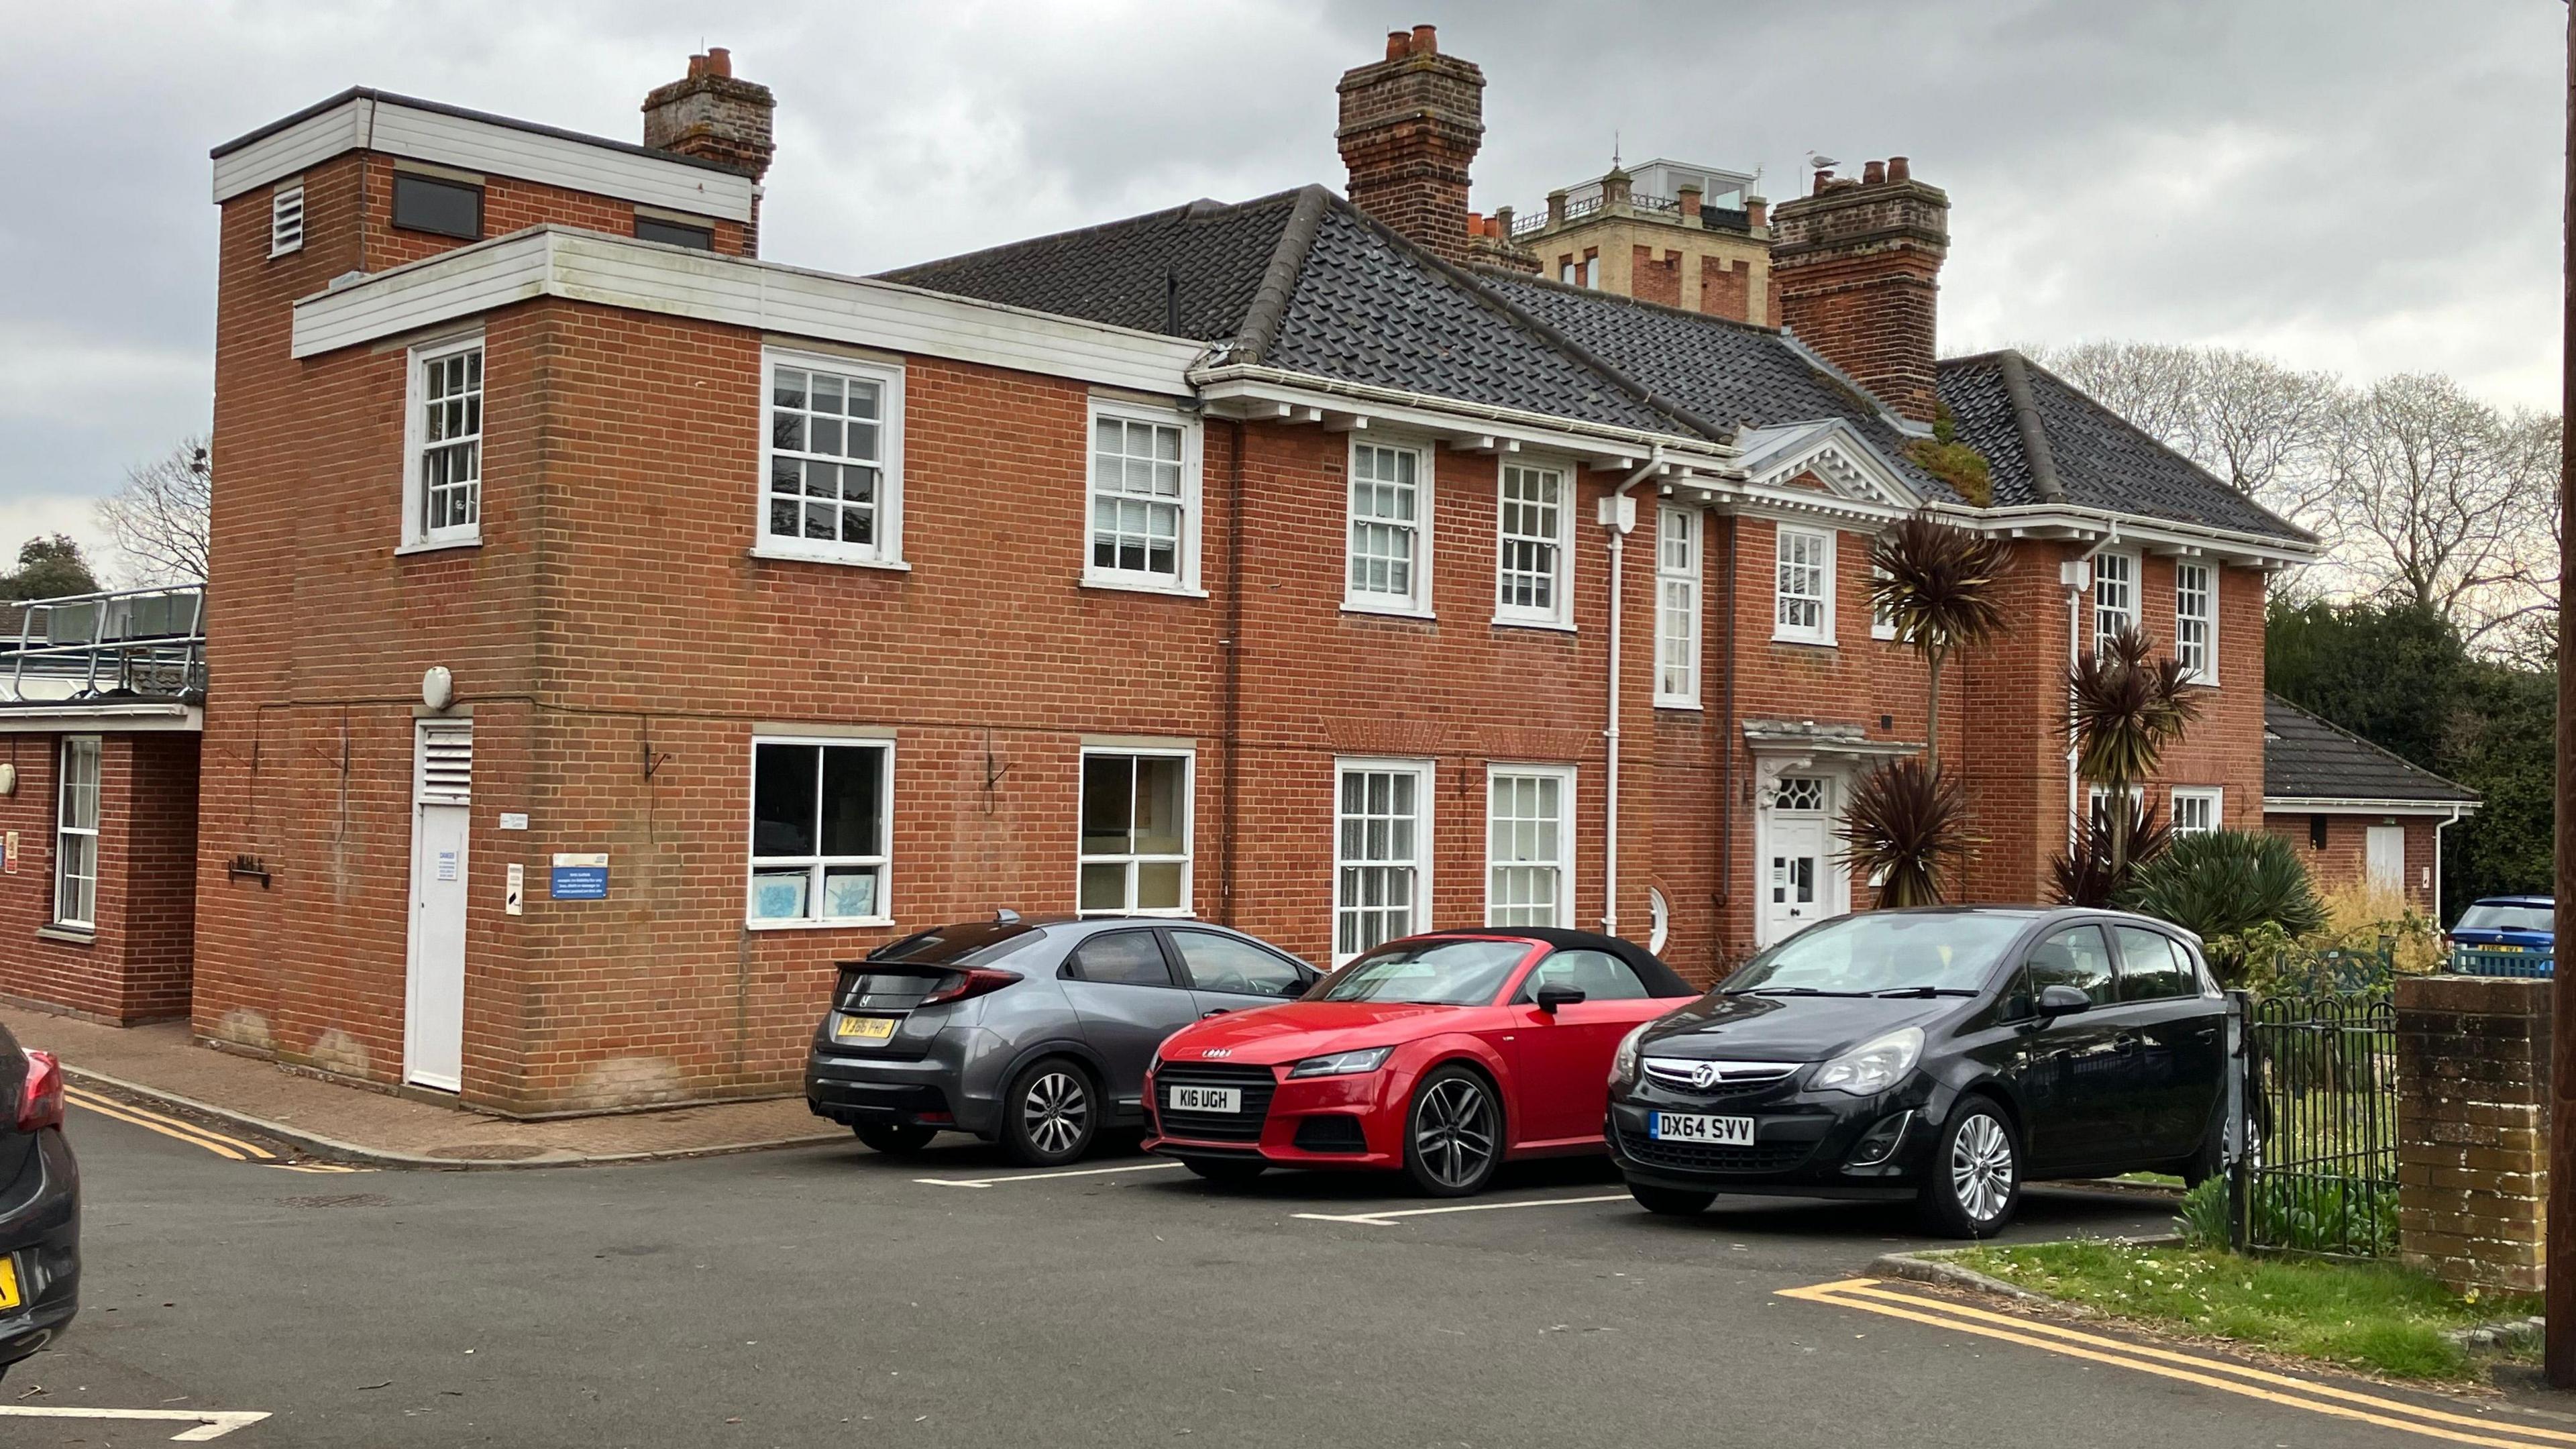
286 219
447 764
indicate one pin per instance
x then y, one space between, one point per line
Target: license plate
1203 1099
864 1028
1690 1127
8 1282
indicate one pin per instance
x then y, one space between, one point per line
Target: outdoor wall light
438 687
8 778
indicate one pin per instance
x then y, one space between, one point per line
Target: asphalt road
827 1296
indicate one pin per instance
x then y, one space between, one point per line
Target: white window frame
1823 632
1187 859
883 860
1562 864
886 552
1416 603
1882 625
1425 778
2213 796
1678 626
1559 614
68 910
286 217
2204 670
2126 613
1185 576
417 535
1592 271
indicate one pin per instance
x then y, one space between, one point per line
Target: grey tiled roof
2102 461
2305 758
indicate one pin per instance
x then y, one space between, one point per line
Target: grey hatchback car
1031 1033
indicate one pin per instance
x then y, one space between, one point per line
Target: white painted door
1793 879
2385 852
434 999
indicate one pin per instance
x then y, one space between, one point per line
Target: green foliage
2399 675
1957 464
2116 841
1907 824
2226 883
48 568
1937 583
2324 1214
2203 1219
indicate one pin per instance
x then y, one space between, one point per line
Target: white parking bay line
203 1424
1390 1219
1043 1176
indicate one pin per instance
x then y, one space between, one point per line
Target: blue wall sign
579 878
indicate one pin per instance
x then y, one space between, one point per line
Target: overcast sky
2365 185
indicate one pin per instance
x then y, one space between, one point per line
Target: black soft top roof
1660 979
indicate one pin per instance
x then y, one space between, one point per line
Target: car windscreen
1862 955
2499 916
1434 973
971 944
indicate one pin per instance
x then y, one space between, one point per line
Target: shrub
2229 886
1906 826
2363 916
2304 1214
2203 1219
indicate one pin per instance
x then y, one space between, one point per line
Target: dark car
1943 1055
2515 925
39 1205
1031 1033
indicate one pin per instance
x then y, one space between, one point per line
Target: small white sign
447 865
514 820
514 889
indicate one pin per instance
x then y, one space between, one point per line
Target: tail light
40 1102
975 981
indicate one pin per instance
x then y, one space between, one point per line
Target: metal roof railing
147 643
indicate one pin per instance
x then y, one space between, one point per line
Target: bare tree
2264 428
158 520
2434 490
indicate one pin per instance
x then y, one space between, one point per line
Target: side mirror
1551 998
2057 1001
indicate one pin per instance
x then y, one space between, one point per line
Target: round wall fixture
8 778
438 687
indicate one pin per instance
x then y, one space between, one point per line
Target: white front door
434 997
2385 854
1794 876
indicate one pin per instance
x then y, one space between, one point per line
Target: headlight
1623 1062
1873 1066
1343 1064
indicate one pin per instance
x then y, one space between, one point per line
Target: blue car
2520 925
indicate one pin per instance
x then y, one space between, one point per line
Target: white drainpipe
1618 519
2077 575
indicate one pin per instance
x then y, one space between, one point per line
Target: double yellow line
1869 1295
181 1130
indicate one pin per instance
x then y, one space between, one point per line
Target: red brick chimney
713 117
1410 125
1855 272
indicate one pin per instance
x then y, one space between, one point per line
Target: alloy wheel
1055 1112
1981 1168
1453 1133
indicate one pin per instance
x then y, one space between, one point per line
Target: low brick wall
2473 1129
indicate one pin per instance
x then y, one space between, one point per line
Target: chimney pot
1757 211
719 61
1398 44
1426 40
1873 174
1824 179
1898 169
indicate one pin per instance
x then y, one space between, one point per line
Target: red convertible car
1439 1055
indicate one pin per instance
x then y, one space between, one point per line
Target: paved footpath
825 1295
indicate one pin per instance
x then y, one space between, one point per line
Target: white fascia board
389 127
1836 453
2322 805
1252 389
2225 544
108 719
639 276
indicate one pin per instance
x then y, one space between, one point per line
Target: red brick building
2357 812
616 628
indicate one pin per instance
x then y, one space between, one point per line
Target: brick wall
133 963
1726 288
2345 857
1655 276
2472 1130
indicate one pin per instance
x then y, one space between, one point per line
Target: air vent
286 218
447 763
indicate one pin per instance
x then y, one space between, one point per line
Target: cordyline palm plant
2124 707
1938 584
1905 824
2097 874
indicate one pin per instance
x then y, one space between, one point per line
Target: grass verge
2376 1317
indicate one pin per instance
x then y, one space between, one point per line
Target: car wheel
1671 1201
1051 1115
1453 1133
1226 1171
894 1139
1976 1173
2211 1157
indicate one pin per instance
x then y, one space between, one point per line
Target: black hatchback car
1944 1055
39 1205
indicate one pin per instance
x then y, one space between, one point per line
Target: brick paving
161 1065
